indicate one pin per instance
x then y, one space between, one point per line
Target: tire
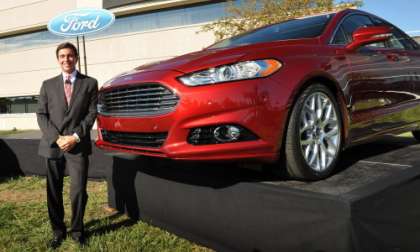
416 134
313 143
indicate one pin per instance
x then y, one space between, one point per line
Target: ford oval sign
81 21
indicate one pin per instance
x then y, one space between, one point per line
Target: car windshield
307 27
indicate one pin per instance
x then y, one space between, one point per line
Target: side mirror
366 35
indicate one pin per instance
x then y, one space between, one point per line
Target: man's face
67 60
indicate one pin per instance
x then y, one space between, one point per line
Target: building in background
143 32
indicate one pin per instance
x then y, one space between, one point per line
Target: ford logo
81 21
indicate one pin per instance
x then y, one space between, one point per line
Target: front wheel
313 137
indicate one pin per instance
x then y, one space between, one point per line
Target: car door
402 83
411 54
370 66
414 75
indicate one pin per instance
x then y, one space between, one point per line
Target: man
66 113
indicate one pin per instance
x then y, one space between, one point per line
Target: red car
302 90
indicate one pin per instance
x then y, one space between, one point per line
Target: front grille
141 99
152 140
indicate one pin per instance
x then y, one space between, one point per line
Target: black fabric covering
371 204
387 218
244 216
20 157
9 164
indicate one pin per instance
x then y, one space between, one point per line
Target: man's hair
66 45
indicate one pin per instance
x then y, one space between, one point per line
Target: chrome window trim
330 42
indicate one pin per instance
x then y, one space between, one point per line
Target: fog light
218 134
227 133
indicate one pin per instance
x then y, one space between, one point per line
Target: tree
253 14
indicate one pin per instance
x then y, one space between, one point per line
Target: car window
344 36
348 26
376 45
308 27
395 42
399 40
340 37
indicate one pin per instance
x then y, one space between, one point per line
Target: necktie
67 89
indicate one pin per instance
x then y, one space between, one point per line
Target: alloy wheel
319 132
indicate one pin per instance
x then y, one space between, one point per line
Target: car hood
193 61
214 57
207 58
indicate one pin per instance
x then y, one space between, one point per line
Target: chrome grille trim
139 100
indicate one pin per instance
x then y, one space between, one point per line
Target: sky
405 14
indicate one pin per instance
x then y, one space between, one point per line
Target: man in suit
66 114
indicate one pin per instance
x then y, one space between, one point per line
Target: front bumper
241 103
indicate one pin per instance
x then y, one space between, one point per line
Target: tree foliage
253 14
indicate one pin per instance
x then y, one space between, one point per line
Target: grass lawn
8 132
24 224
407 134
11 132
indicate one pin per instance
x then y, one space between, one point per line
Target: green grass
7 132
10 132
407 134
24 224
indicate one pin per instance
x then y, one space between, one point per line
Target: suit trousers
77 166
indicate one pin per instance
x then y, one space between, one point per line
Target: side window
348 26
398 39
377 45
340 37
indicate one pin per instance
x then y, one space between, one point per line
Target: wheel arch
334 87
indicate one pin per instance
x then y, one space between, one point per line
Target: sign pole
84 53
78 55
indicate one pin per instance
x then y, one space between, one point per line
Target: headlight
239 71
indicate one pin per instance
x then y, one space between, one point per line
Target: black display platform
371 204
20 157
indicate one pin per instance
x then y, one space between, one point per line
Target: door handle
393 57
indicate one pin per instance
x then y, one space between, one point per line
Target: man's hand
59 141
66 143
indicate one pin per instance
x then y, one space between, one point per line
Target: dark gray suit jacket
56 118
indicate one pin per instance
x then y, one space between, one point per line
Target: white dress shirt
72 80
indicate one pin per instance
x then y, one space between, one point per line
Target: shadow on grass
109 227
6 179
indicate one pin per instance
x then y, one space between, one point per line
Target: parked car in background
303 90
